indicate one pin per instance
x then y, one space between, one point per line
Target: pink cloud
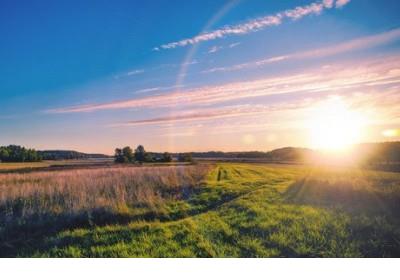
371 73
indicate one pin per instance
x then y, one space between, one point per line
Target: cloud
256 24
341 3
294 112
141 71
356 44
207 115
233 45
212 114
328 3
338 77
145 90
190 63
215 49
135 72
246 65
178 134
130 73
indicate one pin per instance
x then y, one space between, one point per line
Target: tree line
127 155
14 153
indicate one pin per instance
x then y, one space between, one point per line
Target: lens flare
334 126
391 132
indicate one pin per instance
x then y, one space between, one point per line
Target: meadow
6 167
202 210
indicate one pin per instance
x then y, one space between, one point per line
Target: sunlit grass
248 210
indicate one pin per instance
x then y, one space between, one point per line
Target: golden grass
23 165
75 191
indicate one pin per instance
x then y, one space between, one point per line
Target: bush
186 157
166 157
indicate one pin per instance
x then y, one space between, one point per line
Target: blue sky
193 75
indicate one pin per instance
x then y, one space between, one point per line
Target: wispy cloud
153 89
233 45
145 90
130 73
135 72
215 49
161 66
293 111
350 75
258 23
246 65
211 114
356 44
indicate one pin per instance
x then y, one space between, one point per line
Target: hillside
365 153
282 154
67 154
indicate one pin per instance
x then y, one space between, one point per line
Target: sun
334 126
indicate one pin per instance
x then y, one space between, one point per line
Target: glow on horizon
335 127
391 133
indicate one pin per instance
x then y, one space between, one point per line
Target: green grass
250 210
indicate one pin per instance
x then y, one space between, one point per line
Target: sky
197 75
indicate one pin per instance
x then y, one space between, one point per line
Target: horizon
323 151
210 76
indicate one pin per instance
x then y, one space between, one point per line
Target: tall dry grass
36 196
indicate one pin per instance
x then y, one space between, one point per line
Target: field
52 165
23 165
204 210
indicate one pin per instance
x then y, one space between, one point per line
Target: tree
4 155
166 157
128 154
149 157
14 153
140 154
186 157
119 157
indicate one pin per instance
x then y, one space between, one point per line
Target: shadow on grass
344 195
374 213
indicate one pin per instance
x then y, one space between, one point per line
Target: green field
242 210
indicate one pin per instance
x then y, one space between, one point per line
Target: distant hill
282 154
67 154
292 154
370 154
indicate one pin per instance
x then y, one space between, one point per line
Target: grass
6 166
57 165
229 210
32 166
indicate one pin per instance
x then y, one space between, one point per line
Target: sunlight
334 126
391 132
